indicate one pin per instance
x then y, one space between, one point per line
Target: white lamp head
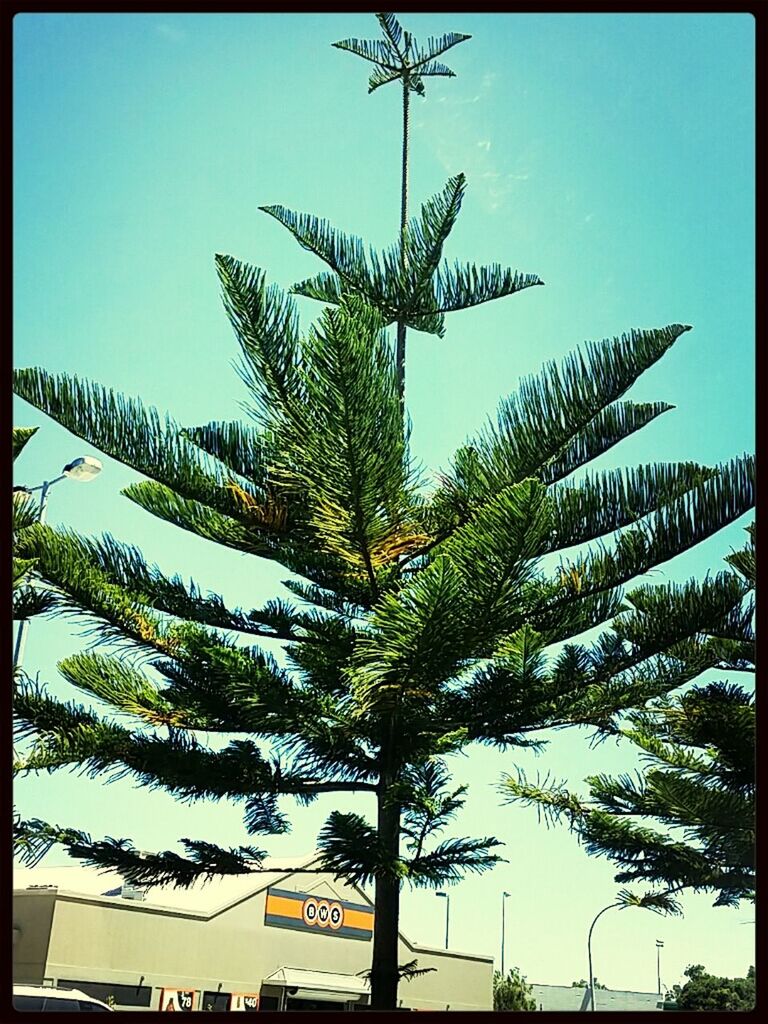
83 469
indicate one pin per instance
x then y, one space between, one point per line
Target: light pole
589 953
83 469
659 947
504 897
447 899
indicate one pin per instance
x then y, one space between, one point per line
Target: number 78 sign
177 999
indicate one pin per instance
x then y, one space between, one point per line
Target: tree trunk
384 977
387 914
400 350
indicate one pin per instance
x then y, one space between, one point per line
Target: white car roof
49 992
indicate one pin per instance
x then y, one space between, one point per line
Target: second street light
504 897
447 899
659 947
82 470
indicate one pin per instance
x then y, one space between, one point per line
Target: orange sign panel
286 909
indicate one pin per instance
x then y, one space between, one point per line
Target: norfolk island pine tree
424 615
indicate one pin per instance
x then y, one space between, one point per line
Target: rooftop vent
131 892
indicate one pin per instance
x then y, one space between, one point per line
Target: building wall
103 939
32 916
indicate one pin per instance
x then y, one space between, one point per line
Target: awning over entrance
320 984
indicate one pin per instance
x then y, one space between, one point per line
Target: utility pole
504 897
447 899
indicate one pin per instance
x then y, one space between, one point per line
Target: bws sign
300 910
322 913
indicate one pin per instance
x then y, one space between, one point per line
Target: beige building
281 939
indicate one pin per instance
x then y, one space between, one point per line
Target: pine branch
198 518
31 601
347 455
610 500
611 425
94 573
553 409
266 325
427 804
351 849
33 838
134 435
240 449
675 527
450 860
405 283
20 437
417 640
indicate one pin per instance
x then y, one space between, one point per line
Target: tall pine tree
421 615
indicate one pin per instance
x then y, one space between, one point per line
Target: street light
589 953
504 897
447 899
81 470
659 947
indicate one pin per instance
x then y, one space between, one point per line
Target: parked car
41 998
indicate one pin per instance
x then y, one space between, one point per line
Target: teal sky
612 155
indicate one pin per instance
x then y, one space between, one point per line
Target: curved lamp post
589 953
82 470
657 902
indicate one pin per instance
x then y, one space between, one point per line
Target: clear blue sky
612 155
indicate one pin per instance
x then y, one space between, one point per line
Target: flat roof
319 981
203 896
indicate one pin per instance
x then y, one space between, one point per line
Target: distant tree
583 983
512 992
695 972
707 992
699 747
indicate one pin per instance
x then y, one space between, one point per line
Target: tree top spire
399 57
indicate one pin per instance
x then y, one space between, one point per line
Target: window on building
215 1001
313 1004
269 1002
124 995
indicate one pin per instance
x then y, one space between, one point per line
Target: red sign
247 1001
177 999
